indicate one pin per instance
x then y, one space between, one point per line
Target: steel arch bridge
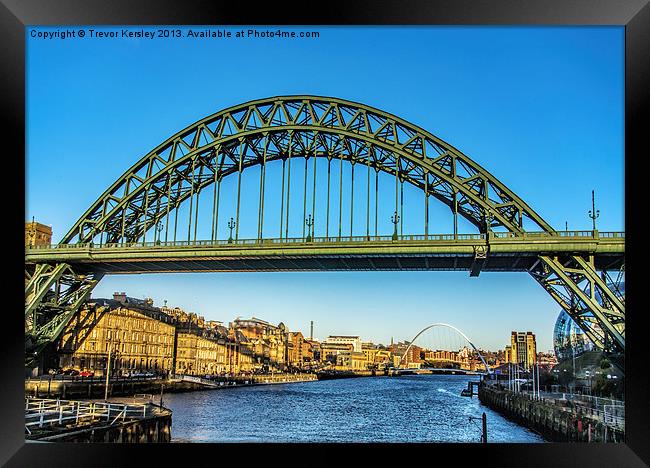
133 227
451 327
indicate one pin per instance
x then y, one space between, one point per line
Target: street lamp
231 225
395 219
488 221
593 213
309 222
108 368
159 228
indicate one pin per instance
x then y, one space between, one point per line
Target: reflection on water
422 408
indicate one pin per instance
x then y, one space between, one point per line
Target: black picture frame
634 15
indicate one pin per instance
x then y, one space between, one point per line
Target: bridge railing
619 235
342 239
41 412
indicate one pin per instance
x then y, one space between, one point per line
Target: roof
137 305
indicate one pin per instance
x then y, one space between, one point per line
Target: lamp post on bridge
231 226
593 213
159 228
309 222
395 219
489 217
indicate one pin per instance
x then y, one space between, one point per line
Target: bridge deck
505 252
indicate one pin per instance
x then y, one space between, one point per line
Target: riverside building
138 336
265 341
355 341
299 350
142 338
37 234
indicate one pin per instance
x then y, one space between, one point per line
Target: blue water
419 408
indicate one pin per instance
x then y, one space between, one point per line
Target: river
417 408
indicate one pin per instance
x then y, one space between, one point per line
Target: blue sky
540 108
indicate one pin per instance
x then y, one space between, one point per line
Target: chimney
311 331
120 297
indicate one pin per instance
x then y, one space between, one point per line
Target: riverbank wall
96 388
347 374
555 420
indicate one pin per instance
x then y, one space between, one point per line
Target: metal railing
339 240
45 379
40 412
218 381
611 412
614 416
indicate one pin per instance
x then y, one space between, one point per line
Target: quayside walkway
55 420
559 418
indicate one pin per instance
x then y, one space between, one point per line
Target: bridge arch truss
199 157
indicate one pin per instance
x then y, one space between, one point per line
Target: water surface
418 408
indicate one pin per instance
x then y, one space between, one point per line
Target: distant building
383 357
355 341
522 349
412 359
351 360
315 350
330 351
299 350
267 342
442 357
37 234
370 351
547 359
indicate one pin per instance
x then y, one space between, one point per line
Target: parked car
70 372
55 371
86 373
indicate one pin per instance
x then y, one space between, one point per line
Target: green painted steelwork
289 127
326 126
606 248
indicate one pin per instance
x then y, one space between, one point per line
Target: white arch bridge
403 368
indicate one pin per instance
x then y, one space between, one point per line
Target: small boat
466 392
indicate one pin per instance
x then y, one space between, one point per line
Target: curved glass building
568 338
